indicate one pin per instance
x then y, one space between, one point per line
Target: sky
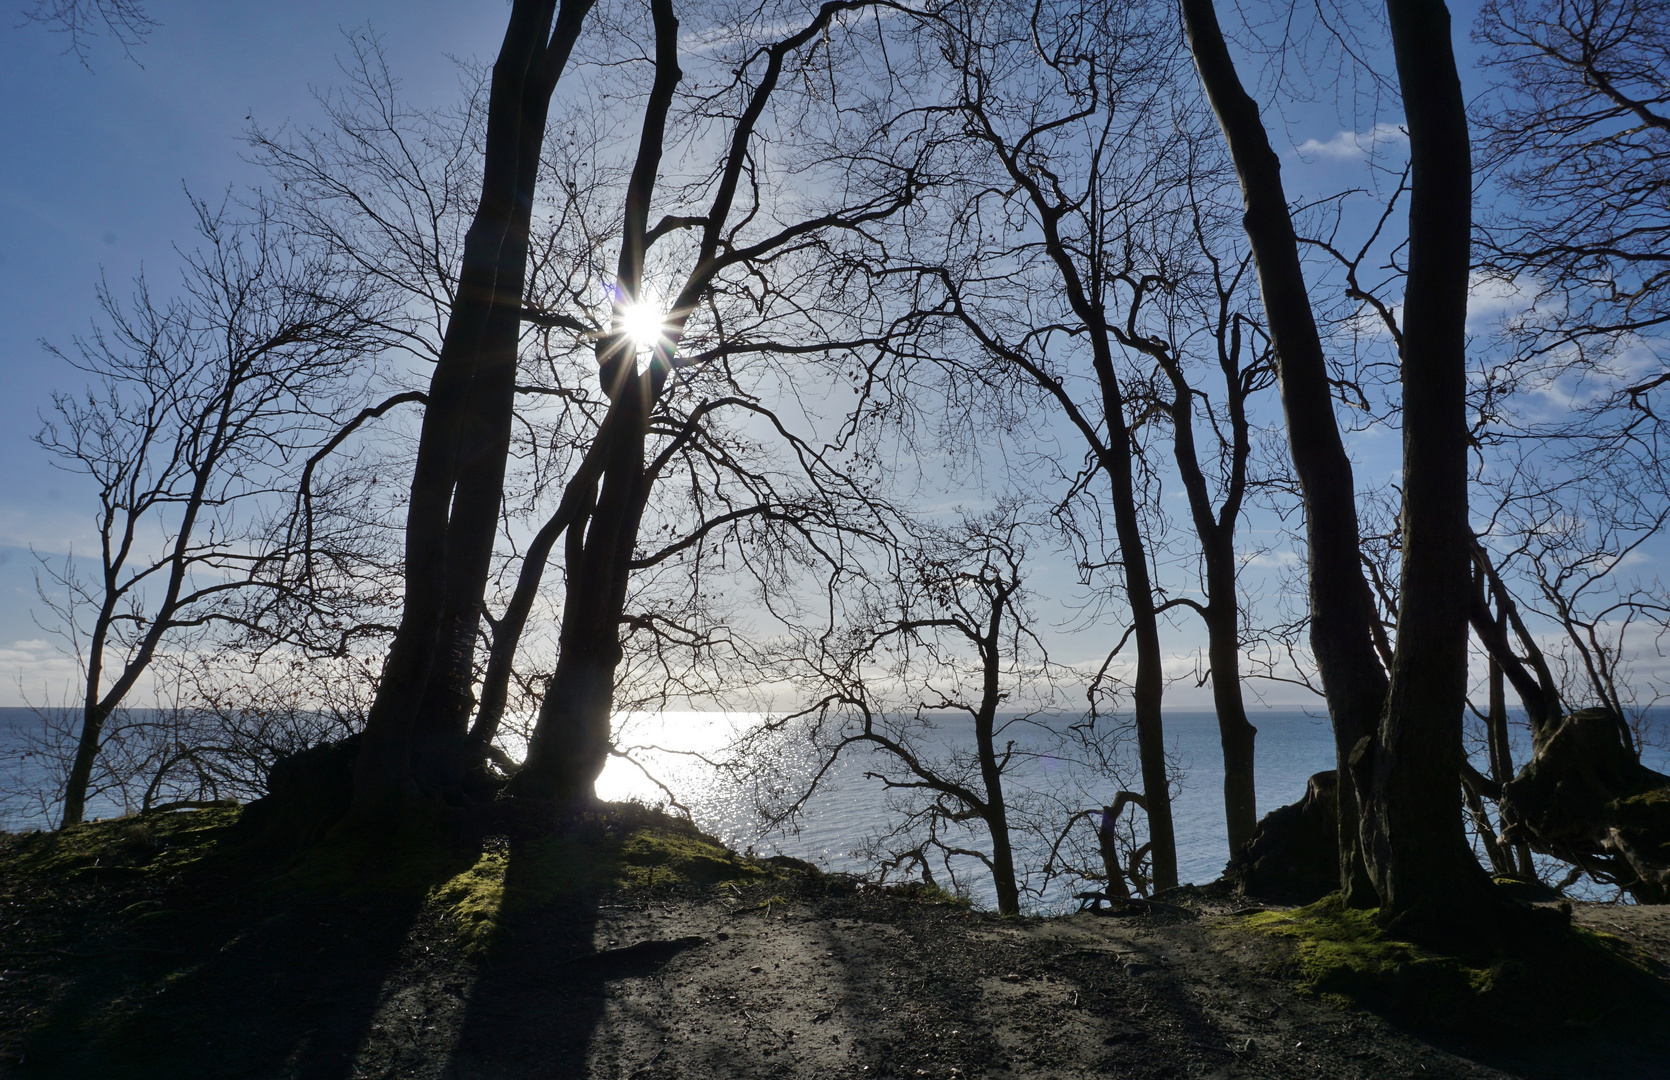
93 176
97 160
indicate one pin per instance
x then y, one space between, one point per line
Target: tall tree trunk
1149 687
1342 608
996 810
1236 733
1414 839
1222 610
571 739
468 400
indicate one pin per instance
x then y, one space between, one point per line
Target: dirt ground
122 975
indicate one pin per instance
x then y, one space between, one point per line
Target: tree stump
1293 856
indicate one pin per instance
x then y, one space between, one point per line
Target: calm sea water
850 807
836 822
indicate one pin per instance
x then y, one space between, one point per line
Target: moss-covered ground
128 938
1550 977
615 850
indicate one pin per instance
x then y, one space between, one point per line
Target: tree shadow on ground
254 974
540 993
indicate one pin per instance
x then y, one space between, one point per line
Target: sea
850 806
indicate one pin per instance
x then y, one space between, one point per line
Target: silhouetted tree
1407 776
937 680
205 410
415 733
735 247
1341 605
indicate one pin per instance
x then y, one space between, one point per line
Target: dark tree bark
989 642
1148 689
1341 605
1414 839
413 739
1215 529
1294 854
571 739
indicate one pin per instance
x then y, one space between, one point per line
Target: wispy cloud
35 671
1351 145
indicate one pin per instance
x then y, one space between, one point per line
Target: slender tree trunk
571 739
1222 611
484 447
991 774
1149 687
1147 694
1342 608
93 716
997 820
1414 839
1003 861
578 501
1532 680
1501 751
1236 733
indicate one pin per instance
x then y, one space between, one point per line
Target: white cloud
1351 145
35 672
1493 300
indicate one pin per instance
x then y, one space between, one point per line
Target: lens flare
644 323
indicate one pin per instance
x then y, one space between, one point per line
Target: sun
644 323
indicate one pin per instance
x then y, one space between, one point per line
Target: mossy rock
1555 979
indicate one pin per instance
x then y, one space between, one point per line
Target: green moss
1342 954
1556 977
1644 820
613 853
124 847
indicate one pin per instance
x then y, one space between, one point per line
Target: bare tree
204 409
80 21
416 728
720 243
1578 135
754 492
1407 776
1341 605
1032 294
939 685
1202 309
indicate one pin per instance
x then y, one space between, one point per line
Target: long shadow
539 995
251 977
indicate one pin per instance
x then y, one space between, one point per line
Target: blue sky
92 181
